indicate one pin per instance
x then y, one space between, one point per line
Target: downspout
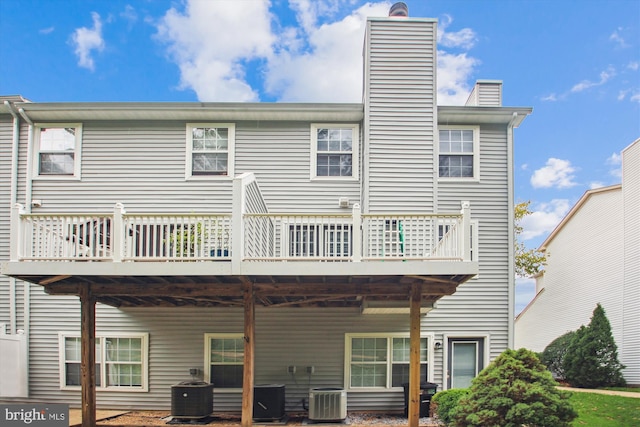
13 199
28 197
511 219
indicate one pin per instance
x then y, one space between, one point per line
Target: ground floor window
121 361
379 361
225 360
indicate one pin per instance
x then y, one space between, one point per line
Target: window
225 358
381 361
317 240
334 152
58 150
210 149
458 157
121 361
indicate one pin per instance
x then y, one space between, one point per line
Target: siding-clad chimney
486 93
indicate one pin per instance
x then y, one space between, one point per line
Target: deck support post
414 355
249 352
88 355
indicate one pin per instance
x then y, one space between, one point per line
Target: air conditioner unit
268 402
191 399
327 404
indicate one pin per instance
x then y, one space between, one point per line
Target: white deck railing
351 237
249 233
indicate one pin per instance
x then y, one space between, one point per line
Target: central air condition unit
327 404
191 399
268 402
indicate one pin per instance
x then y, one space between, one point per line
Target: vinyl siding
481 305
584 268
400 108
630 346
176 338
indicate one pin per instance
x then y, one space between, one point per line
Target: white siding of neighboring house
584 268
630 346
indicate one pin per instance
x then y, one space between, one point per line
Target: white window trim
230 151
207 358
445 355
347 359
145 361
77 152
355 156
476 153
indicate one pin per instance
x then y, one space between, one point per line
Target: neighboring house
593 257
295 244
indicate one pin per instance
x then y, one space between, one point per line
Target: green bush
592 356
445 402
554 354
516 389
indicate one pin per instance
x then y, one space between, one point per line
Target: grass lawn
601 410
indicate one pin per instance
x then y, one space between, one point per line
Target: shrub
592 356
516 389
554 354
445 402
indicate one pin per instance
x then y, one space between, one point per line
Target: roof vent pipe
399 9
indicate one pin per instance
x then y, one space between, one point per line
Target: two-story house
341 246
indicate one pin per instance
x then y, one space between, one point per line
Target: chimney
399 10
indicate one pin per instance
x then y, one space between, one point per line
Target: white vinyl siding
210 149
121 361
334 151
58 150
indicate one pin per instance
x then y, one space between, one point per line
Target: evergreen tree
592 357
554 354
514 390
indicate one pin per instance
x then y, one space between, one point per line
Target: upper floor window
58 150
382 360
224 360
210 149
121 361
334 152
458 157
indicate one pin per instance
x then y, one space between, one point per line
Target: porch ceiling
227 291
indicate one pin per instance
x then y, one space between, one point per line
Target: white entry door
465 361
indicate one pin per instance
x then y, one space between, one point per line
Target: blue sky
577 63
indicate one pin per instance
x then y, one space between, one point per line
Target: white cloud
596 184
319 59
129 14
615 161
556 173
617 38
633 65
605 76
330 68
47 30
544 218
465 38
210 41
86 40
551 97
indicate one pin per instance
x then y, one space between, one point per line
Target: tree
514 390
592 356
528 262
554 354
